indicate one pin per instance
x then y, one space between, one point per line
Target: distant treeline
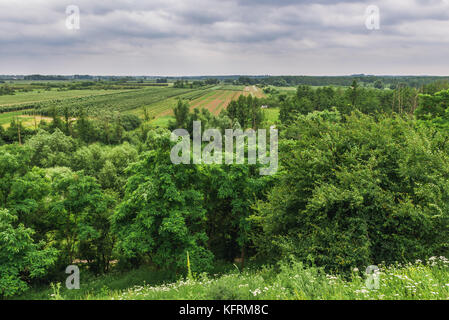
42 77
377 81
195 83
5 89
10 88
281 81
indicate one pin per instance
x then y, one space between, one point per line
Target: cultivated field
254 91
158 102
43 96
216 100
26 120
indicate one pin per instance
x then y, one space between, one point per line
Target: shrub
130 121
357 192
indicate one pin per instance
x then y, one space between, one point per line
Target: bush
356 192
221 291
130 121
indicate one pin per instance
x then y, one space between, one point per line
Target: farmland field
157 101
6 118
254 91
217 101
220 99
42 95
164 107
214 100
117 101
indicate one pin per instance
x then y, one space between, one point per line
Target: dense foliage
21 258
356 191
363 179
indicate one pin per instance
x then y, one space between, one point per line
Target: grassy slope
425 281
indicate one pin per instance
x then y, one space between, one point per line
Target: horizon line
224 75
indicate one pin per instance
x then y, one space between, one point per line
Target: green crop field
34 98
156 102
164 107
118 101
42 95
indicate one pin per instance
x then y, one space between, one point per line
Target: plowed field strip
206 102
197 102
214 102
225 101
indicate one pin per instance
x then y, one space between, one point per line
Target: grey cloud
228 36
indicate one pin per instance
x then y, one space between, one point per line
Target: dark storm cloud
224 37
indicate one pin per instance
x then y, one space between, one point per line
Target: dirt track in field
254 91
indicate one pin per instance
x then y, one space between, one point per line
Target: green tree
14 162
2 135
353 93
246 111
27 201
80 213
51 150
181 112
162 217
378 84
21 259
85 129
433 105
131 121
230 193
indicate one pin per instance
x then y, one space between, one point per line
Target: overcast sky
220 37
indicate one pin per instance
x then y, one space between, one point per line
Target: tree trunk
242 256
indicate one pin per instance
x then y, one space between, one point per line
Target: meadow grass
7 117
27 121
271 115
427 280
162 122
